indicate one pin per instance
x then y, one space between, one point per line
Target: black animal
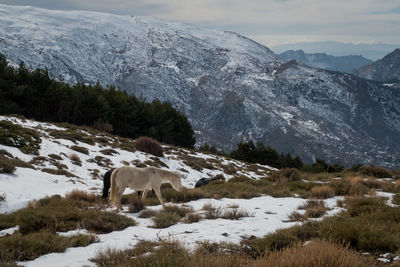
106 183
204 181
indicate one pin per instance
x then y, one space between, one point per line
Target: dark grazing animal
204 181
106 183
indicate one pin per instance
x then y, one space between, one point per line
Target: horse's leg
158 194
119 196
144 194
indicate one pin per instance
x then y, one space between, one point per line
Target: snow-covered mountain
324 61
230 87
386 69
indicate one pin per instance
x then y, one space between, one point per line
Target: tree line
266 155
34 94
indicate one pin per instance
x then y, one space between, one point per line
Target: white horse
141 179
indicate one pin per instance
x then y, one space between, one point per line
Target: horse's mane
167 173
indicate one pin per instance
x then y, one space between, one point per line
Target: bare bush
285 175
149 145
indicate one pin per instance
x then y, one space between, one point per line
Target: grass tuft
322 191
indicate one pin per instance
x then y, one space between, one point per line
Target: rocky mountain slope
324 61
231 88
386 69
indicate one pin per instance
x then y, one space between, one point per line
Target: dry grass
6 165
192 217
109 152
232 212
285 175
80 149
135 203
149 145
59 172
322 191
316 253
101 161
165 219
73 134
55 157
315 209
197 164
212 212
28 247
75 159
375 171
148 213
85 196
296 217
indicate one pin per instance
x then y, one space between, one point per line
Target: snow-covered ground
267 214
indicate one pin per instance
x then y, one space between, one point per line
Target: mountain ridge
324 61
230 87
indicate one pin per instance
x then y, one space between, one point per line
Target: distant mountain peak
324 61
230 87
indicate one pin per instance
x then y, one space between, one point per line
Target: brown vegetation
149 145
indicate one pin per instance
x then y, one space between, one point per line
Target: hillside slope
386 69
231 88
53 170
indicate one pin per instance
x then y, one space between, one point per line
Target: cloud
340 20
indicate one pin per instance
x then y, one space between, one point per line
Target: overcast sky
270 22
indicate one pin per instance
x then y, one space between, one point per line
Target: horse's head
176 181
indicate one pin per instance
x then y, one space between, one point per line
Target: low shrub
296 217
55 157
148 213
109 152
27 140
75 159
315 253
101 161
396 199
57 214
135 203
73 134
192 217
212 212
181 211
375 171
59 172
80 149
79 195
19 247
149 145
165 219
322 191
197 164
285 175
6 165
234 213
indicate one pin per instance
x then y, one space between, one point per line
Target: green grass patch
57 214
27 140
19 247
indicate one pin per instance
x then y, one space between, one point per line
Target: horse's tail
114 186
